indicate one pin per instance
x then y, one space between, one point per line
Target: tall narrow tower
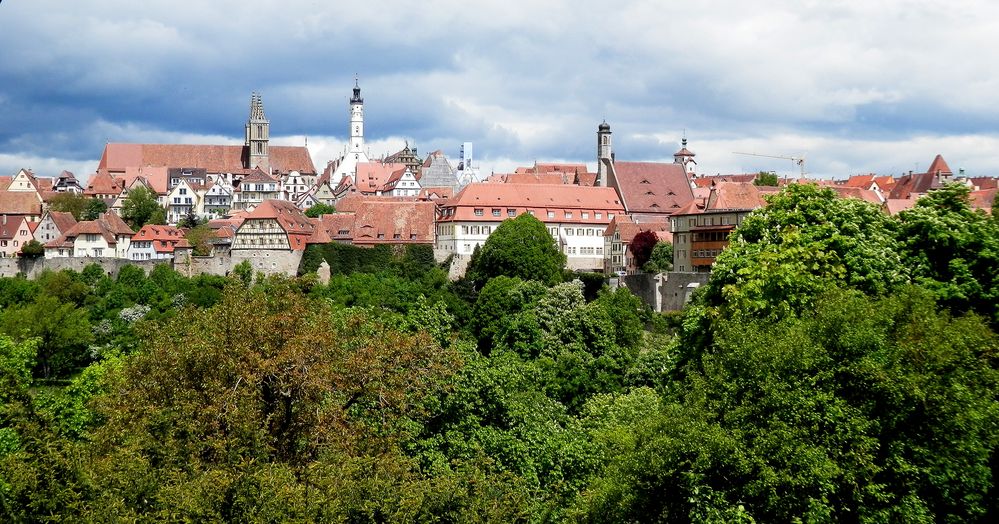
257 135
356 122
605 154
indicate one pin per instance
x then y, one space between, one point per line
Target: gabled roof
532 197
292 220
861 181
707 180
371 177
983 199
102 183
627 227
860 193
212 158
734 196
155 178
9 226
20 203
63 220
939 167
258 176
109 226
897 205
163 238
394 222
652 187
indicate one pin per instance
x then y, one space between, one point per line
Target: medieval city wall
31 268
665 291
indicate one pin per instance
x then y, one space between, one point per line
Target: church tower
257 135
685 157
605 154
356 122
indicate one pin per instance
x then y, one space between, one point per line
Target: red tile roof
859 193
20 203
292 220
163 238
983 199
939 167
734 196
156 178
537 198
373 176
394 223
212 158
707 180
109 225
628 227
63 220
985 182
102 183
897 205
861 181
652 187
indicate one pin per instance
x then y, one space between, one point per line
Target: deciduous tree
520 247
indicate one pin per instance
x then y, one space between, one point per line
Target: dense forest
840 365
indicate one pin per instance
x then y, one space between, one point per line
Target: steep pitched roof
102 183
373 176
652 187
292 220
939 167
627 227
394 222
109 226
163 238
212 158
983 199
734 196
20 203
860 193
156 177
897 205
63 220
861 181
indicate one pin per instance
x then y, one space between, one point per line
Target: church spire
258 135
356 99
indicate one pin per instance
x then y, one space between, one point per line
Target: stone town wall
31 268
665 291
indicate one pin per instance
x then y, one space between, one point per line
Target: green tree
319 210
62 330
766 178
863 409
191 221
95 208
804 241
661 259
32 249
200 237
140 208
74 203
520 247
953 250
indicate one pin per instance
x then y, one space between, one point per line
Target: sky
852 86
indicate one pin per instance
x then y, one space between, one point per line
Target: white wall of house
144 250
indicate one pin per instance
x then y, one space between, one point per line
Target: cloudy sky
853 86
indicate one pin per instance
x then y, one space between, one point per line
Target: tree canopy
140 208
95 207
520 247
69 202
319 210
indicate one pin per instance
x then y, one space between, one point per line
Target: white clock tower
354 152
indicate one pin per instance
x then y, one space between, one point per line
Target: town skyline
863 89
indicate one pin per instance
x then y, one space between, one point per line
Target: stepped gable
652 187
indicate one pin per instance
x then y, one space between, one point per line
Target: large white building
576 217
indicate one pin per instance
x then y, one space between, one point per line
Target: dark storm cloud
524 80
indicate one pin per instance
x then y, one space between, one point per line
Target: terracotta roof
860 193
373 176
292 220
861 181
394 223
256 175
212 158
939 167
20 203
436 193
108 225
156 178
537 198
734 196
352 202
163 238
9 226
897 205
338 226
707 180
885 182
628 227
102 183
652 187
985 182
63 220
983 199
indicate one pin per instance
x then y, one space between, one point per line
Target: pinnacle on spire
257 107
356 99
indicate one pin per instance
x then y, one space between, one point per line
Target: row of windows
571 250
706 253
498 212
710 236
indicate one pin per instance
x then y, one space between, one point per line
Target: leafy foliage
140 208
642 245
32 249
661 259
319 210
766 178
522 248
94 209
68 202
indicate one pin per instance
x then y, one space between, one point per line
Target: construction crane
798 161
